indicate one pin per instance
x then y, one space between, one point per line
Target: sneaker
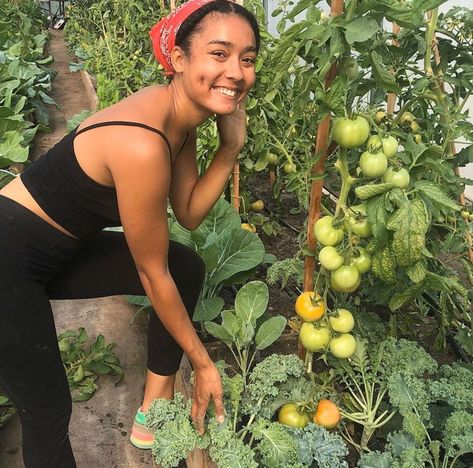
141 436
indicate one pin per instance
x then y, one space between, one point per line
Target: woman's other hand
207 385
232 129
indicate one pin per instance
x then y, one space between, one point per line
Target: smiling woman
57 208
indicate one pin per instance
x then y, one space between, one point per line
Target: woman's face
220 69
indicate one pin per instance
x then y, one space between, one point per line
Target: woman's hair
193 23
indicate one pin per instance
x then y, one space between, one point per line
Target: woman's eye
250 60
218 53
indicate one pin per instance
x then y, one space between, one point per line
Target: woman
119 167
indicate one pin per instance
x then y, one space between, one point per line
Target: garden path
100 427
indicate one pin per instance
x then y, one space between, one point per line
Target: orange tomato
310 306
327 414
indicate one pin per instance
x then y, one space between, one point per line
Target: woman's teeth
227 92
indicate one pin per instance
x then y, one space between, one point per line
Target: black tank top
67 194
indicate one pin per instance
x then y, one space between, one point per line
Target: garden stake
392 96
321 146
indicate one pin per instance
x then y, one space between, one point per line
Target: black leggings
40 263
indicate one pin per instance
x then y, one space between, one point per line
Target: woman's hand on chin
232 129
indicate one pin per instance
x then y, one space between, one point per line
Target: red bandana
163 34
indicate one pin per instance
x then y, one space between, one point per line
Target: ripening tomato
400 177
342 321
406 118
248 227
257 206
313 337
310 306
329 258
350 133
343 346
373 165
345 278
325 233
362 261
327 414
289 415
379 116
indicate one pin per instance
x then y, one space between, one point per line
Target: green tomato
329 258
362 261
360 226
289 415
373 165
345 279
325 233
399 178
390 146
375 144
271 158
415 127
289 168
342 321
465 214
406 118
350 133
343 346
359 209
379 116
470 217
314 338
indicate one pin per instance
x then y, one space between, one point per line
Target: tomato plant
325 233
329 258
345 278
373 164
350 133
400 178
342 321
343 346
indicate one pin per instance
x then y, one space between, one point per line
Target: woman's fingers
219 408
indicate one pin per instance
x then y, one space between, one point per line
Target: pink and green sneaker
141 436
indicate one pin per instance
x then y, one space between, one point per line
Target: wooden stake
391 96
321 144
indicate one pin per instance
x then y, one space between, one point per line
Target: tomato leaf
361 29
364 192
383 264
426 5
436 195
270 331
376 212
382 75
410 222
417 271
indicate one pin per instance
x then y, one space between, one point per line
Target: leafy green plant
84 361
6 410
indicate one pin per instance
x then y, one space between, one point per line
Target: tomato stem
347 180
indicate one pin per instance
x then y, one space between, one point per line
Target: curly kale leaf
317 445
262 388
175 436
455 386
413 457
410 396
458 433
276 445
376 460
284 270
232 388
226 450
407 357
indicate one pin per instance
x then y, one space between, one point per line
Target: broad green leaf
382 75
230 323
361 29
208 309
426 5
417 271
436 195
401 441
142 301
251 301
269 332
408 295
3 399
364 192
464 157
11 148
218 332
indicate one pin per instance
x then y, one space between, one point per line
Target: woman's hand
207 385
232 129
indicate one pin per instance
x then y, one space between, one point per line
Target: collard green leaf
208 309
361 29
269 331
251 301
436 195
218 331
230 323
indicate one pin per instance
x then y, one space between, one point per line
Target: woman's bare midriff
16 191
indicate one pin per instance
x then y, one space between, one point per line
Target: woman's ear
177 58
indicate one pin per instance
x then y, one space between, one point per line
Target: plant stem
347 180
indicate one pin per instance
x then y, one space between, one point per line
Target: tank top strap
130 124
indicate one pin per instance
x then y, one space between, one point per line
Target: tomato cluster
325 414
319 333
467 215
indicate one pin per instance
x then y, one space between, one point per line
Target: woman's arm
142 180
192 198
